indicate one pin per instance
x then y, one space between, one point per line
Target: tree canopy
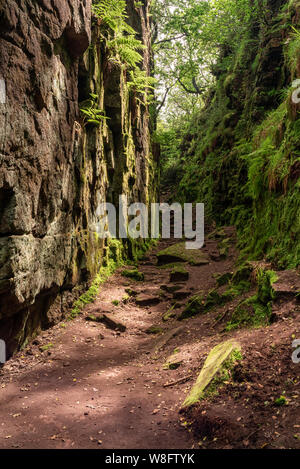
188 38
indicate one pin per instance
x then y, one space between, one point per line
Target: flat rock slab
107 321
168 336
179 276
181 294
154 330
147 300
287 284
178 253
213 364
215 256
171 288
173 361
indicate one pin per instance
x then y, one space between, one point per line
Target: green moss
293 53
154 330
200 304
91 294
178 253
280 401
243 166
194 306
170 266
179 268
214 298
133 274
224 375
169 314
115 302
223 247
223 279
179 274
256 310
242 274
46 347
217 369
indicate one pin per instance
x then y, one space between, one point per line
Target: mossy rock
172 363
171 266
154 330
169 314
178 253
223 247
243 315
179 274
44 348
243 273
133 274
220 359
201 304
217 234
265 280
257 310
171 288
194 306
214 298
223 279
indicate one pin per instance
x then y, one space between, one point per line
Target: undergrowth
255 311
240 154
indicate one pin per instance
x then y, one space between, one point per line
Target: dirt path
83 385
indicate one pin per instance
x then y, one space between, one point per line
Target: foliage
189 36
91 112
239 153
123 46
294 51
256 310
133 274
280 401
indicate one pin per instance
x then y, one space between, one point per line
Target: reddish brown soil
97 388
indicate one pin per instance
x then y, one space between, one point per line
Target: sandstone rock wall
54 170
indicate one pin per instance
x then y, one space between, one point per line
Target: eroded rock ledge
53 171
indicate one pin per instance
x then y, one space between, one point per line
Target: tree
188 37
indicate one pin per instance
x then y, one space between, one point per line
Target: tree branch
196 89
170 39
162 103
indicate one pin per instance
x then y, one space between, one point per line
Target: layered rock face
54 170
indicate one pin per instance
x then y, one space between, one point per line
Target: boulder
178 253
147 300
179 274
220 357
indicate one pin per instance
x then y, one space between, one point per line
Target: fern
121 42
91 113
125 50
141 83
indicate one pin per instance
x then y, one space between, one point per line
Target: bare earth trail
84 385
